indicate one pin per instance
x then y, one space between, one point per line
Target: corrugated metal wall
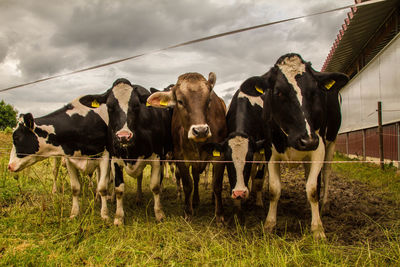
365 143
378 81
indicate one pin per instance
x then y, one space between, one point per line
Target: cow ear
331 81
161 99
142 93
254 86
94 101
212 78
28 120
154 90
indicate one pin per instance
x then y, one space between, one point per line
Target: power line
210 37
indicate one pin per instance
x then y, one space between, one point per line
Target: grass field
35 228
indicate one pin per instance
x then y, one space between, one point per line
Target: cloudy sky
49 37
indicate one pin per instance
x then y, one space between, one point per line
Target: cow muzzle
240 194
199 133
308 143
11 167
124 136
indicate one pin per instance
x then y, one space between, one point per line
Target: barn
367 49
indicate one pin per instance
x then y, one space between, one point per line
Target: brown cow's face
192 102
191 98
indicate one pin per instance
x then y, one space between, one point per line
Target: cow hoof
220 220
54 190
118 221
160 216
73 216
269 227
105 217
319 234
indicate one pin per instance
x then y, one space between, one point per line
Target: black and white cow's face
26 144
239 149
123 105
294 100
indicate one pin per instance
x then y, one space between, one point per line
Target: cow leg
155 186
326 173
257 185
274 194
75 187
103 176
119 193
196 179
218 175
206 171
139 193
312 193
187 188
178 184
56 168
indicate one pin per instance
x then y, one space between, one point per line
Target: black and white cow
245 142
138 135
302 112
74 131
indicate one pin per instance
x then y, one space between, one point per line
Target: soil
357 212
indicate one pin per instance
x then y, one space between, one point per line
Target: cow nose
239 194
10 167
308 143
200 131
124 136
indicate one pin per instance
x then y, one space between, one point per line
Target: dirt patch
357 212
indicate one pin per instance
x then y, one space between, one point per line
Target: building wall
365 143
378 81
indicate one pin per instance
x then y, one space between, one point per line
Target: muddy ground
357 214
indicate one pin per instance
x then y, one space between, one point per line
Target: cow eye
180 102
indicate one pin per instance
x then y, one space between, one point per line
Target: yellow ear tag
216 153
148 104
163 103
95 104
329 84
259 90
262 151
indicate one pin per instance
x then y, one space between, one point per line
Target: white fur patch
239 146
122 93
290 67
254 100
83 110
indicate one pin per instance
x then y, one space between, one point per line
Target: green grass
35 229
386 180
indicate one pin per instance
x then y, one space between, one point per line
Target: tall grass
35 230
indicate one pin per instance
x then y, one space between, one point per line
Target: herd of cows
292 112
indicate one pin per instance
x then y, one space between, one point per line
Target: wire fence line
213 161
202 39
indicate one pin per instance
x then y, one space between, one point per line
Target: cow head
25 144
295 98
124 102
190 97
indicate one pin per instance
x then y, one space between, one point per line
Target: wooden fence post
380 131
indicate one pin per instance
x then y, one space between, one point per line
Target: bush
8 116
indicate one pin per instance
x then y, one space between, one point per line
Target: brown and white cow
198 118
